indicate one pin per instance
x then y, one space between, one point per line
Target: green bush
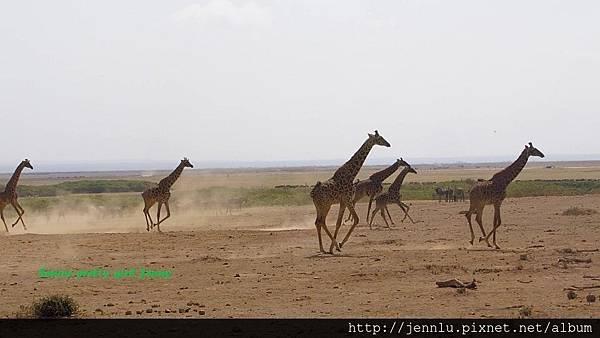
55 306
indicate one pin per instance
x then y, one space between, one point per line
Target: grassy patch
576 211
83 187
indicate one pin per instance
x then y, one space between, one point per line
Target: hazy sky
230 80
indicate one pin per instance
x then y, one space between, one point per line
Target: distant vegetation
83 187
100 194
576 211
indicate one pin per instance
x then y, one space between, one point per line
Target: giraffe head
408 166
402 162
27 164
532 151
186 163
378 139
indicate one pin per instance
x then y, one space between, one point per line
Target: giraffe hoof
471 241
481 239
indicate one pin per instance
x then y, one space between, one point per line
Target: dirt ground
264 262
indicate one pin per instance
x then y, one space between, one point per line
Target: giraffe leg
320 223
479 219
22 213
2 216
338 224
18 213
350 214
497 222
166 203
148 203
353 212
373 216
405 208
388 213
383 216
468 216
369 209
168 215
158 213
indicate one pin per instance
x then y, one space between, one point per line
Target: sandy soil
265 263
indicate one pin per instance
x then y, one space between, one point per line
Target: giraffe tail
312 192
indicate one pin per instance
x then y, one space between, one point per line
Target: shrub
576 211
54 306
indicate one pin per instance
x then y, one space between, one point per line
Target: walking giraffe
161 194
392 196
9 195
340 189
493 192
374 185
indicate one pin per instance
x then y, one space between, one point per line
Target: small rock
237 275
99 310
571 294
110 304
201 312
139 312
167 310
590 298
155 305
127 313
523 257
181 310
148 310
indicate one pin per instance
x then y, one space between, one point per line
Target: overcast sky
228 80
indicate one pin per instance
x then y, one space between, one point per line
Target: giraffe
374 185
340 189
493 191
9 195
161 194
392 196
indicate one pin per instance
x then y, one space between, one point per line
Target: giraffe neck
11 185
382 175
395 187
508 174
168 181
351 168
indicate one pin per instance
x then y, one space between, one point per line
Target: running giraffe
161 194
340 189
374 185
393 196
9 195
493 192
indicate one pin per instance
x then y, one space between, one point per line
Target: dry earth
264 262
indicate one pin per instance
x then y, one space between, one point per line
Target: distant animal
340 189
392 196
161 195
234 203
459 195
442 193
493 191
9 195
